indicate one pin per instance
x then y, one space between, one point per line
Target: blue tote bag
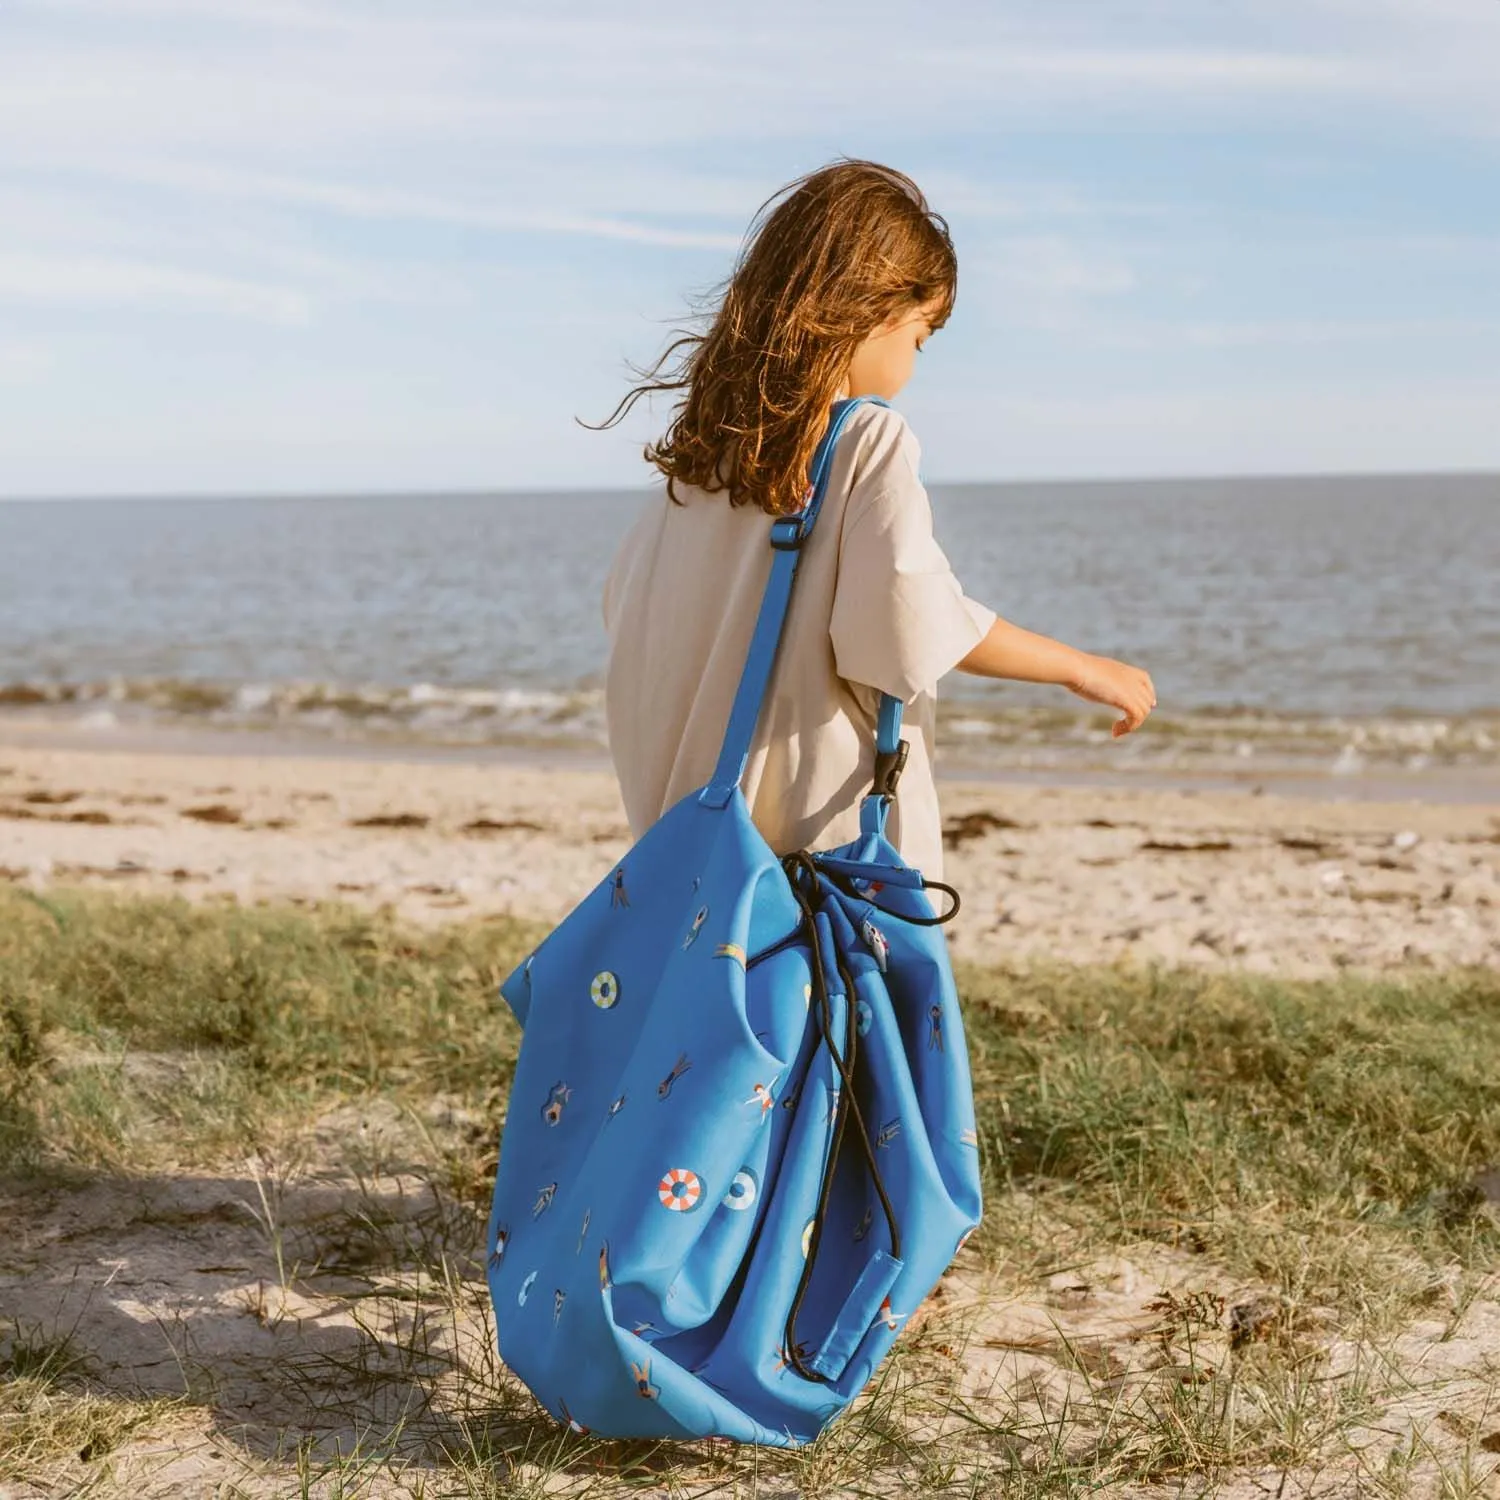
740 1147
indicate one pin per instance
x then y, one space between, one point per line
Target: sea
1306 628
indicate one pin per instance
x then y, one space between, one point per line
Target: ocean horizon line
481 492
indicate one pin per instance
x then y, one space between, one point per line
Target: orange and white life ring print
680 1189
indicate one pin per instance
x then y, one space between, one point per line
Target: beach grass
1299 1173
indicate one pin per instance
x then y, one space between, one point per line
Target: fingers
1123 687
1135 705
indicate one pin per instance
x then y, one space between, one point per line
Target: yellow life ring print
731 950
807 1239
680 1190
605 989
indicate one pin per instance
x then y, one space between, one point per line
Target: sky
295 246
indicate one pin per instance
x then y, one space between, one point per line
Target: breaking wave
971 733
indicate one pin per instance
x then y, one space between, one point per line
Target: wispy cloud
1332 331
1051 267
588 75
21 363
1157 71
329 196
356 201
85 280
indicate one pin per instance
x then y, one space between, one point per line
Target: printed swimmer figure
543 1200
558 1298
935 1032
761 1093
782 1358
617 896
875 941
889 1131
557 1096
889 1318
642 1329
614 1109
678 1069
573 1424
502 1239
863 1227
833 1108
699 918
642 1374
525 1291
584 1230
604 1282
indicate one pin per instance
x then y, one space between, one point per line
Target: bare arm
1012 652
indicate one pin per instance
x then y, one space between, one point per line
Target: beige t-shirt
875 607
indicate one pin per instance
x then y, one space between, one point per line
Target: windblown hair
829 259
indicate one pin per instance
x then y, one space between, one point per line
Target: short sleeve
900 618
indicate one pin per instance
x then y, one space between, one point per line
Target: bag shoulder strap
788 533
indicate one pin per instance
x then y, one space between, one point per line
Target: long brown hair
828 260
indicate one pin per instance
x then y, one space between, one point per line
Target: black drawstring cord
800 866
845 883
859 1119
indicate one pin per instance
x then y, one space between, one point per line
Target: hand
1100 679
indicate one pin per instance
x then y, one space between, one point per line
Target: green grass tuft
1324 1141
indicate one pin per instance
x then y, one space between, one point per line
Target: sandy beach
321 1281
1251 878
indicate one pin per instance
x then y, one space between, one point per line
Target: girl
845 276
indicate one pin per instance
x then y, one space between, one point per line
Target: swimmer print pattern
719 1266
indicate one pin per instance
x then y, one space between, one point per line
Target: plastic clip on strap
788 533
890 748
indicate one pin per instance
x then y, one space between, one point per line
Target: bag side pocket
860 1312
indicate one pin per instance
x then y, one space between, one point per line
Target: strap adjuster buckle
888 767
787 533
